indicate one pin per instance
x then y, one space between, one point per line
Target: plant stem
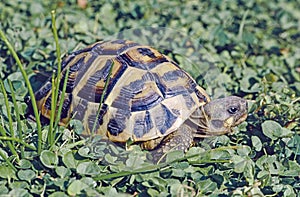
17 140
31 93
19 127
11 130
2 155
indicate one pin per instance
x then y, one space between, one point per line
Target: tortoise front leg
180 139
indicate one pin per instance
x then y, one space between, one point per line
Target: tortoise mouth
241 119
208 132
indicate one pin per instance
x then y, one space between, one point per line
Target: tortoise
146 97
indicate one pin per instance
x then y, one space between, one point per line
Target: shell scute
117 124
142 124
165 120
146 99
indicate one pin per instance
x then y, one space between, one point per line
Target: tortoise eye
232 110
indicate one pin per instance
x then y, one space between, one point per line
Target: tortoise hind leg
180 139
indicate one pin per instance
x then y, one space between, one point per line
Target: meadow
246 48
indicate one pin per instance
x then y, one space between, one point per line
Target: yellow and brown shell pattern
147 96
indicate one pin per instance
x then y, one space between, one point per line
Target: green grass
246 48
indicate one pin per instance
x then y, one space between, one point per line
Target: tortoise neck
197 121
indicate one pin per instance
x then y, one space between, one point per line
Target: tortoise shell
147 94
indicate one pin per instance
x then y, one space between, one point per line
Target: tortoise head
219 116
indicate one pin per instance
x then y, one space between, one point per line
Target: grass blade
62 98
19 128
30 90
20 141
162 166
55 113
58 54
51 132
102 97
10 144
241 28
7 160
10 121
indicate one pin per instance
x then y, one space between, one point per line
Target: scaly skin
181 139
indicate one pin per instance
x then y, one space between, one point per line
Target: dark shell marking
148 95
